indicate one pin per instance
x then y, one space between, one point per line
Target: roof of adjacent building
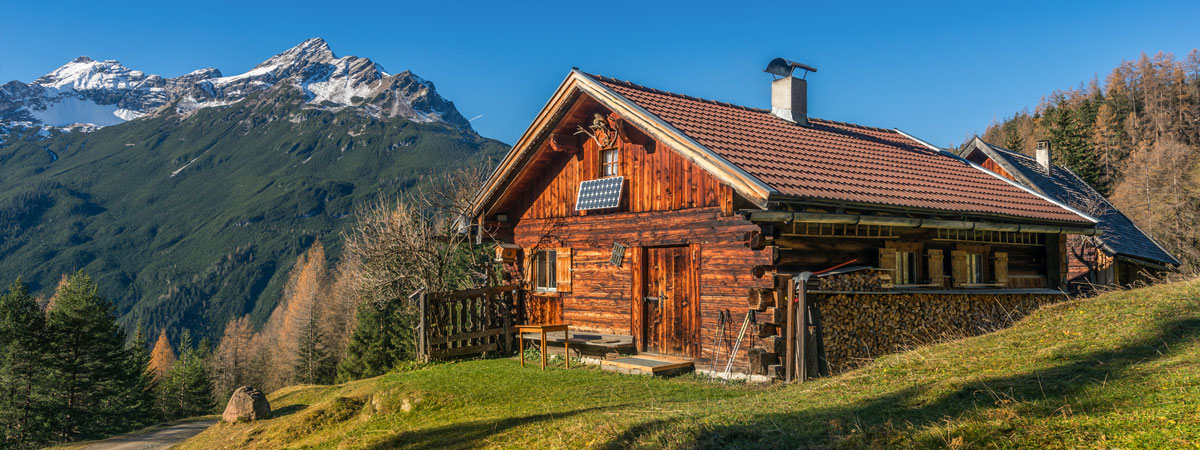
1120 235
842 162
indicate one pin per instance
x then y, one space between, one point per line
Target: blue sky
941 71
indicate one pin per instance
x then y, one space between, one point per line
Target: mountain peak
86 73
105 92
314 50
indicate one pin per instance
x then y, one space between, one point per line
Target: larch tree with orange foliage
162 357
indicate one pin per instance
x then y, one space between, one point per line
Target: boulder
247 403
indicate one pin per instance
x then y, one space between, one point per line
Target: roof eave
821 202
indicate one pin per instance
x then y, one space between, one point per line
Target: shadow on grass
287 410
468 434
892 419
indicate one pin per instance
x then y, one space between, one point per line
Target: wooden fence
466 323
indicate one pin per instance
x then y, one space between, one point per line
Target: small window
546 270
906 267
974 268
610 162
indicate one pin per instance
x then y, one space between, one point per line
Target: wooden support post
789 335
802 329
422 327
506 332
822 363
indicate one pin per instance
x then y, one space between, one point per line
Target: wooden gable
978 157
656 177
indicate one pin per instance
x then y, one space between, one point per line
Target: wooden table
543 329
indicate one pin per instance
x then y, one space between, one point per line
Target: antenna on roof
784 68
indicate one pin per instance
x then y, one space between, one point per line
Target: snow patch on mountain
71 110
103 93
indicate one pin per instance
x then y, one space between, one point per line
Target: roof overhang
1003 160
578 83
911 222
1146 263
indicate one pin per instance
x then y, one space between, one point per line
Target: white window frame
545 271
606 164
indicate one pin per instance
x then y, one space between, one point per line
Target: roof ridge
1011 152
633 85
673 94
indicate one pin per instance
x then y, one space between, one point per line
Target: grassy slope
264 177
1118 371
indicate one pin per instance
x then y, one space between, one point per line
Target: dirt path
161 438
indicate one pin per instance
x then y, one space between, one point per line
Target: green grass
1118 371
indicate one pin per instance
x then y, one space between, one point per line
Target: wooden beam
568 143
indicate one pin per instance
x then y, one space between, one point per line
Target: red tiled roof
839 161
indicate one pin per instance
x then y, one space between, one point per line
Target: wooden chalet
1122 254
717 207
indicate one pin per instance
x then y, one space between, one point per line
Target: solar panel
599 194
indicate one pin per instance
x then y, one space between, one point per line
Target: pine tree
23 402
141 395
383 337
1106 142
88 364
187 389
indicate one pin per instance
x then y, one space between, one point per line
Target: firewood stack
860 328
860 281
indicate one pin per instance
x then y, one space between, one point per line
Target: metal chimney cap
784 68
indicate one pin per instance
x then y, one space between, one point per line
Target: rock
247 403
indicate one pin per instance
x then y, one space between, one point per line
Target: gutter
908 222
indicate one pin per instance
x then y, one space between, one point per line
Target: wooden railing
466 323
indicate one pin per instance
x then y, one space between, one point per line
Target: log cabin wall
667 201
657 179
604 297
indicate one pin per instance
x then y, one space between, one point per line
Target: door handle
651 299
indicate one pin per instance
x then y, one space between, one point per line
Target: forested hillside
188 221
1135 137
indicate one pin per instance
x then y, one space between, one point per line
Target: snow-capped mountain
103 93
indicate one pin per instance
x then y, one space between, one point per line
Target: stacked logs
860 328
771 303
860 281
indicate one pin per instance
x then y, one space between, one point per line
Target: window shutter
936 268
563 269
958 267
530 273
887 259
1001 269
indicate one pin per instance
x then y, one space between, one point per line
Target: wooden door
669 319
